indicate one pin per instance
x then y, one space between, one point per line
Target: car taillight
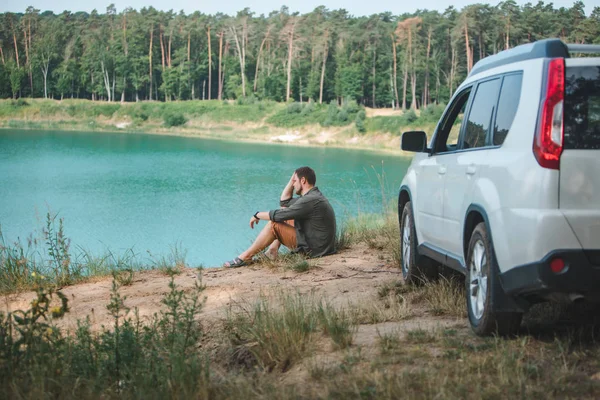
548 142
557 265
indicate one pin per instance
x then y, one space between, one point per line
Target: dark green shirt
314 221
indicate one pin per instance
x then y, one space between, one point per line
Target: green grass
279 329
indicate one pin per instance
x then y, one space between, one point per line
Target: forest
403 61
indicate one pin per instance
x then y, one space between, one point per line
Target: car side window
450 126
481 114
507 106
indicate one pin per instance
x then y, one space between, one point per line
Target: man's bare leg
273 250
264 239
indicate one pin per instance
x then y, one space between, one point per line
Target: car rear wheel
411 272
481 285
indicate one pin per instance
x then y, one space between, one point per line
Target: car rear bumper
581 276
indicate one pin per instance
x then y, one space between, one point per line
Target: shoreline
221 134
377 130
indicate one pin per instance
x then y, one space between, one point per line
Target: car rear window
582 108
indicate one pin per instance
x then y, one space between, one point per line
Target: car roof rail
547 48
584 48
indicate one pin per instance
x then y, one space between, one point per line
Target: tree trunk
437 86
289 64
27 60
452 70
106 80
395 74
426 97
241 56
162 49
507 44
93 93
325 54
16 50
45 73
169 63
2 55
481 50
209 66
413 73
150 61
189 53
123 92
222 82
468 47
203 88
374 70
220 94
404 83
258 59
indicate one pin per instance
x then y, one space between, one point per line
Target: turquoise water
152 193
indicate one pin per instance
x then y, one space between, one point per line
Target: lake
152 193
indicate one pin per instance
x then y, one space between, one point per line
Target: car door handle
471 170
442 170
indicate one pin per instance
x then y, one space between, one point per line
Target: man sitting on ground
304 224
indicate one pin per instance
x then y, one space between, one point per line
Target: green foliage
127 360
409 117
16 266
19 103
57 245
174 119
432 113
359 122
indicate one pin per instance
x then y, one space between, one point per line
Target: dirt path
348 279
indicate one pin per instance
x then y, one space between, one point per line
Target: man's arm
288 191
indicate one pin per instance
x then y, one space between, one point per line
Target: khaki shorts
285 233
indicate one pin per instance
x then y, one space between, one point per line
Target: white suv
508 190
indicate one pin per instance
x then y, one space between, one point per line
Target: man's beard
299 191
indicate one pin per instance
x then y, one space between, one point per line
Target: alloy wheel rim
478 285
405 245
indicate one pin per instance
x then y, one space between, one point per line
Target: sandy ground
350 278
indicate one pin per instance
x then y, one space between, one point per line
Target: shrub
432 113
307 109
351 106
360 125
127 360
19 103
294 108
409 117
174 119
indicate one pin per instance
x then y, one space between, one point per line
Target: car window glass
449 129
481 113
455 130
582 108
507 106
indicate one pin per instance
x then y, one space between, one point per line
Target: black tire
411 272
483 288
